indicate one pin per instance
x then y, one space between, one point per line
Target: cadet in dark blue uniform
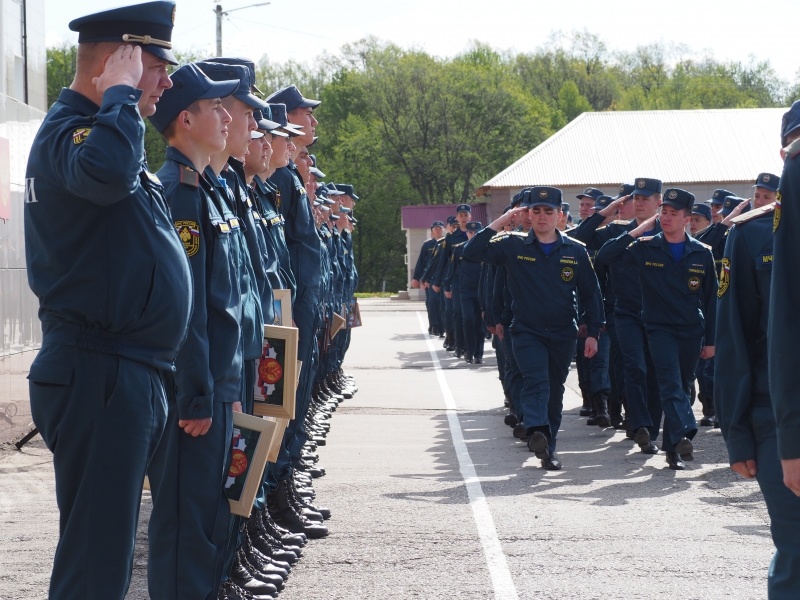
742 394
679 290
782 331
470 275
548 273
114 289
458 235
188 530
642 403
426 254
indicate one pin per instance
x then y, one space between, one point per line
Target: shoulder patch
79 135
724 277
189 233
754 214
189 176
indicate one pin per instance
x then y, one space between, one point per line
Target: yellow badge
278 199
694 283
724 277
776 217
79 135
189 233
567 273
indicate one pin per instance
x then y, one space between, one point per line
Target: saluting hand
644 227
614 206
500 222
123 67
737 210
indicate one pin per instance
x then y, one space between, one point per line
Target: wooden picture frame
282 300
277 373
277 437
250 445
337 324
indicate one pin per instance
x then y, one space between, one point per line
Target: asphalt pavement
433 498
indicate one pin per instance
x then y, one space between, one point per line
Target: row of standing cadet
153 308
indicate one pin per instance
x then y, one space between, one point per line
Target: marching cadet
548 274
642 403
784 375
188 472
471 304
701 219
452 340
114 290
426 254
742 394
679 289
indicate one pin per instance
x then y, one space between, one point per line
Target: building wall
20 337
14 57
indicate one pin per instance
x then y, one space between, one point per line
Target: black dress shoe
551 463
706 421
585 410
642 437
674 461
650 448
539 444
510 419
519 432
478 361
468 358
684 448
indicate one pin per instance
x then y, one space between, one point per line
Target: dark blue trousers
641 388
599 381
676 352
472 326
512 376
500 354
783 581
102 417
191 520
543 360
458 319
433 309
615 369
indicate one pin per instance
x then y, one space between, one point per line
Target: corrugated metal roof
421 216
671 145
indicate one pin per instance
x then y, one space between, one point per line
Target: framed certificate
250 444
277 373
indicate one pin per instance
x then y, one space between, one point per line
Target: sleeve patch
189 233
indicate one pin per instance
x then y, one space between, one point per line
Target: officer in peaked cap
148 25
114 289
550 270
716 201
679 287
701 218
586 202
765 189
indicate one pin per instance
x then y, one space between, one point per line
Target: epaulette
189 176
619 222
500 235
754 214
704 245
646 238
459 244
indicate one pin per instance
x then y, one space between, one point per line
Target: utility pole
222 13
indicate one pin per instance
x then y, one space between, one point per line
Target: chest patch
694 283
567 273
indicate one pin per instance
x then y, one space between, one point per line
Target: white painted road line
502 582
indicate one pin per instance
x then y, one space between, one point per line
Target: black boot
284 514
602 419
586 409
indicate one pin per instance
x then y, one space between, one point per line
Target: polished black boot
284 514
586 409
602 419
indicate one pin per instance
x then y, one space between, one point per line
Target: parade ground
433 498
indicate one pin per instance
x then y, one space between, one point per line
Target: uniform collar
560 238
78 101
179 157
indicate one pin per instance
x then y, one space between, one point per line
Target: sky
727 30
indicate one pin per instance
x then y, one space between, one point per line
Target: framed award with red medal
250 443
276 373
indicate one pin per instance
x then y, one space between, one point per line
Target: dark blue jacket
102 253
545 289
267 194
209 364
682 294
741 377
